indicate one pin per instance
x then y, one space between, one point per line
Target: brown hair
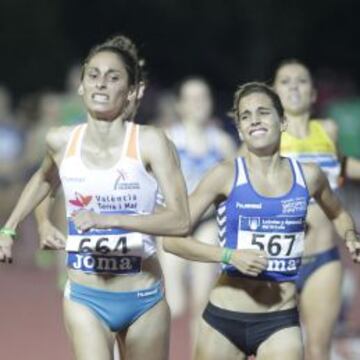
134 65
256 87
292 61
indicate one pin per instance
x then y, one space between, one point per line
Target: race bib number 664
124 244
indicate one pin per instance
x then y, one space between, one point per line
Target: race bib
281 238
113 251
106 244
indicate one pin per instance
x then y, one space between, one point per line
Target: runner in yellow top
317 147
314 141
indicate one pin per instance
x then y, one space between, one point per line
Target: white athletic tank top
124 188
195 166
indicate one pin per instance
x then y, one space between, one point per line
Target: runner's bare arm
352 168
352 165
45 179
216 184
344 224
49 236
41 183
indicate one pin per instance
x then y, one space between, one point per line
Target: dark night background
227 41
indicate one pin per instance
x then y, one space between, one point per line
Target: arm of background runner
40 184
49 236
351 168
344 224
159 155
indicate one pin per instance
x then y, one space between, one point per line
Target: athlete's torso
248 220
125 188
12 171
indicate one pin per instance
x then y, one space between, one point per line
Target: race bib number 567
282 239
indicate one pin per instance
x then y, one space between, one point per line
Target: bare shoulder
314 177
331 128
225 167
58 137
153 139
150 132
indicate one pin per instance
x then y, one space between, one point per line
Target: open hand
353 246
6 243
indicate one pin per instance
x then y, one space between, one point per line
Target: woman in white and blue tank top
261 201
111 170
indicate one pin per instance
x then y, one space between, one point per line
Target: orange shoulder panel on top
71 151
133 139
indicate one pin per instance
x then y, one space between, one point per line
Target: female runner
261 202
312 140
110 170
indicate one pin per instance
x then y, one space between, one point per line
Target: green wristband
226 255
7 231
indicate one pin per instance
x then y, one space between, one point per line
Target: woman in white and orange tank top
310 140
110 170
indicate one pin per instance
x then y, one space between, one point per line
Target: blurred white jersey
195 166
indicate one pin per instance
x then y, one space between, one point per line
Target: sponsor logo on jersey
104 264
284 265
289 223
122 181
248 205
147 293
119 202
254 223
298 204
73 179
80 200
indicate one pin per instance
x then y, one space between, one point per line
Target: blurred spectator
12 140
346 113
166 115
71 109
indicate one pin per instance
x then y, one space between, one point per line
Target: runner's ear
81 90
284 124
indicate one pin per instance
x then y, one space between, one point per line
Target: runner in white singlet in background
110 170
200 144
